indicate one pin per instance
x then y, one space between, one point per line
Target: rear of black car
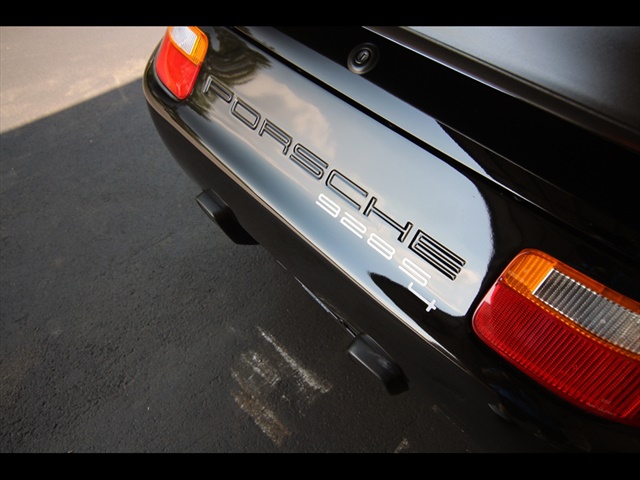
462 201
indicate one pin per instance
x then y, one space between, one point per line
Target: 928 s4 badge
342 189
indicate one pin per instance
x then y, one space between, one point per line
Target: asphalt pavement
128 321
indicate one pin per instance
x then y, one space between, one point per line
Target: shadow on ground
129 323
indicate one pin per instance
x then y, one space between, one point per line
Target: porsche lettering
421 244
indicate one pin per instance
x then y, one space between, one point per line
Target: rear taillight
568 332
179 59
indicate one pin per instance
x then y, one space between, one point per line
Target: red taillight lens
568 332
179 59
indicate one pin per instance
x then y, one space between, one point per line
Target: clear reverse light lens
179 59
191 41
568 332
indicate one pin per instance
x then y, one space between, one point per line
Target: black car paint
531 203
522 147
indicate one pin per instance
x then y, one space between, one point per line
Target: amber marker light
573 335
179 59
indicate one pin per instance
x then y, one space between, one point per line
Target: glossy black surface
504 134
272 144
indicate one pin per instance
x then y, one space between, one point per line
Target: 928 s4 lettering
434 190
448 263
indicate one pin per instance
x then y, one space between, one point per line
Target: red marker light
179 59
573 335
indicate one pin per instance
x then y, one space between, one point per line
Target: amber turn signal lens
179 59
570 333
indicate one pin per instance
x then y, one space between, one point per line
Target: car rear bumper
398 238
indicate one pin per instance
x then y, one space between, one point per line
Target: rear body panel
397 221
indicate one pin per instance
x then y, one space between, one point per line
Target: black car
462 200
